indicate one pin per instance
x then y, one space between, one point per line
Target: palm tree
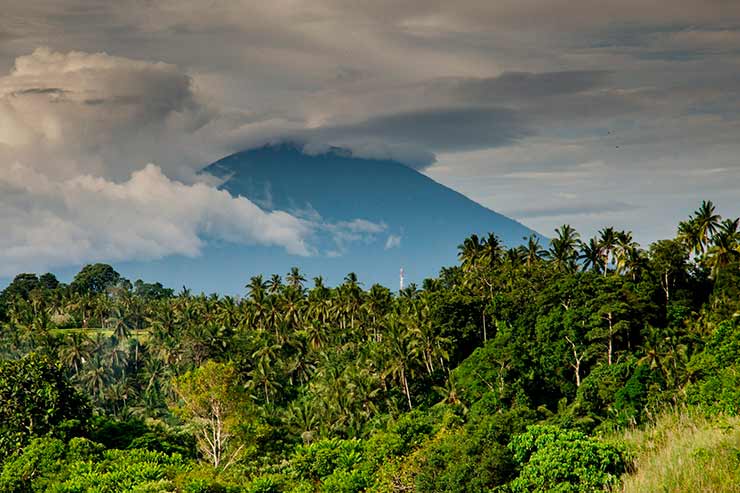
303 420
117 357
534 251
607 242
493 250
688 234
95 376
295 278
591 255
292 305
563 248
470 251
275 284
696 233
516 256
624 246
75 350
397 364
256 288
635 262
707 222
725 247
120 324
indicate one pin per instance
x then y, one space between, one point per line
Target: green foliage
81 450
472 457
345 481
402 437
296 388
598 391
212 402
20 287
554 459
718 389
320 459
35 399
30 470
122 471
95 279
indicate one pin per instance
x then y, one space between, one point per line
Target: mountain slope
422 221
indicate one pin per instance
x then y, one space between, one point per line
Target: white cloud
84 125
48 223
343 233
72 113
393 241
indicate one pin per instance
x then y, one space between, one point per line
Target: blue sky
590 113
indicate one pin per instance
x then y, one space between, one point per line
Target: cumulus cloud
77 112
49 223
84 126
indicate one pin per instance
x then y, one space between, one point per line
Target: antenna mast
401 279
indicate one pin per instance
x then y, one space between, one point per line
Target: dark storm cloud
441 129
523 85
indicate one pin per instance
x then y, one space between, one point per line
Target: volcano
380 216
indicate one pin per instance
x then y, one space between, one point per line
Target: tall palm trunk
406 388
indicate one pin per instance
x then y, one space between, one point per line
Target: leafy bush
30 469
320 459
471 458
121 471
564 461
35 399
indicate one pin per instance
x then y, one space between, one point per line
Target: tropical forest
567 364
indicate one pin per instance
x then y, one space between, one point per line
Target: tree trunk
406 389
611 338
577 365
666 289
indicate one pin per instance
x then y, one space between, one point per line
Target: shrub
564 461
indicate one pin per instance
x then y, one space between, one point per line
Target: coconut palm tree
397 361
563 251
590 255
75 350
725 246
534 251
120 324
295 279
470 251
707 222
274 284
95 376
624 245
493 250
607 242
256 288
688 234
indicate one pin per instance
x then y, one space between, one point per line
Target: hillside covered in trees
581 365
